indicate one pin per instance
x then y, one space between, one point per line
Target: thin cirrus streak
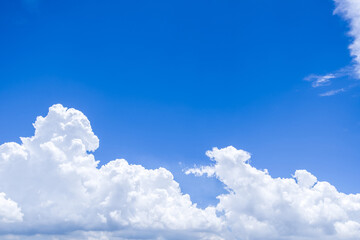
332 92
320 81
51 186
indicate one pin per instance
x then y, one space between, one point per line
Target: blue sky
164 81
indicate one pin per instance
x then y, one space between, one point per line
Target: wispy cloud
350 11
332 92
342 80
319 81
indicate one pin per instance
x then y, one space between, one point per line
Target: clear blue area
164 81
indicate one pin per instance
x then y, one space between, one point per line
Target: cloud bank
51 187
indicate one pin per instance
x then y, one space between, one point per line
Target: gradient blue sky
164 81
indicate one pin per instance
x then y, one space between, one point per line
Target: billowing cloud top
51 187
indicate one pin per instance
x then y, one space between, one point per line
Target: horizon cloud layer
51 186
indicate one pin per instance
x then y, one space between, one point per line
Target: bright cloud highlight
51 187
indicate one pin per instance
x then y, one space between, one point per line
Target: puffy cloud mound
9 210
261 207
55 186
51 187
350 10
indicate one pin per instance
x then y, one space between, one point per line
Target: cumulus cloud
258 206
51 187
350 10
9 210
55 186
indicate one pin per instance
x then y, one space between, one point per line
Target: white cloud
55 190
9 210
55 182
332 92
350 10
261 207
319 81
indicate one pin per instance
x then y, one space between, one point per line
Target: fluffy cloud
350 10
55 186
261 207
51 187
9 210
